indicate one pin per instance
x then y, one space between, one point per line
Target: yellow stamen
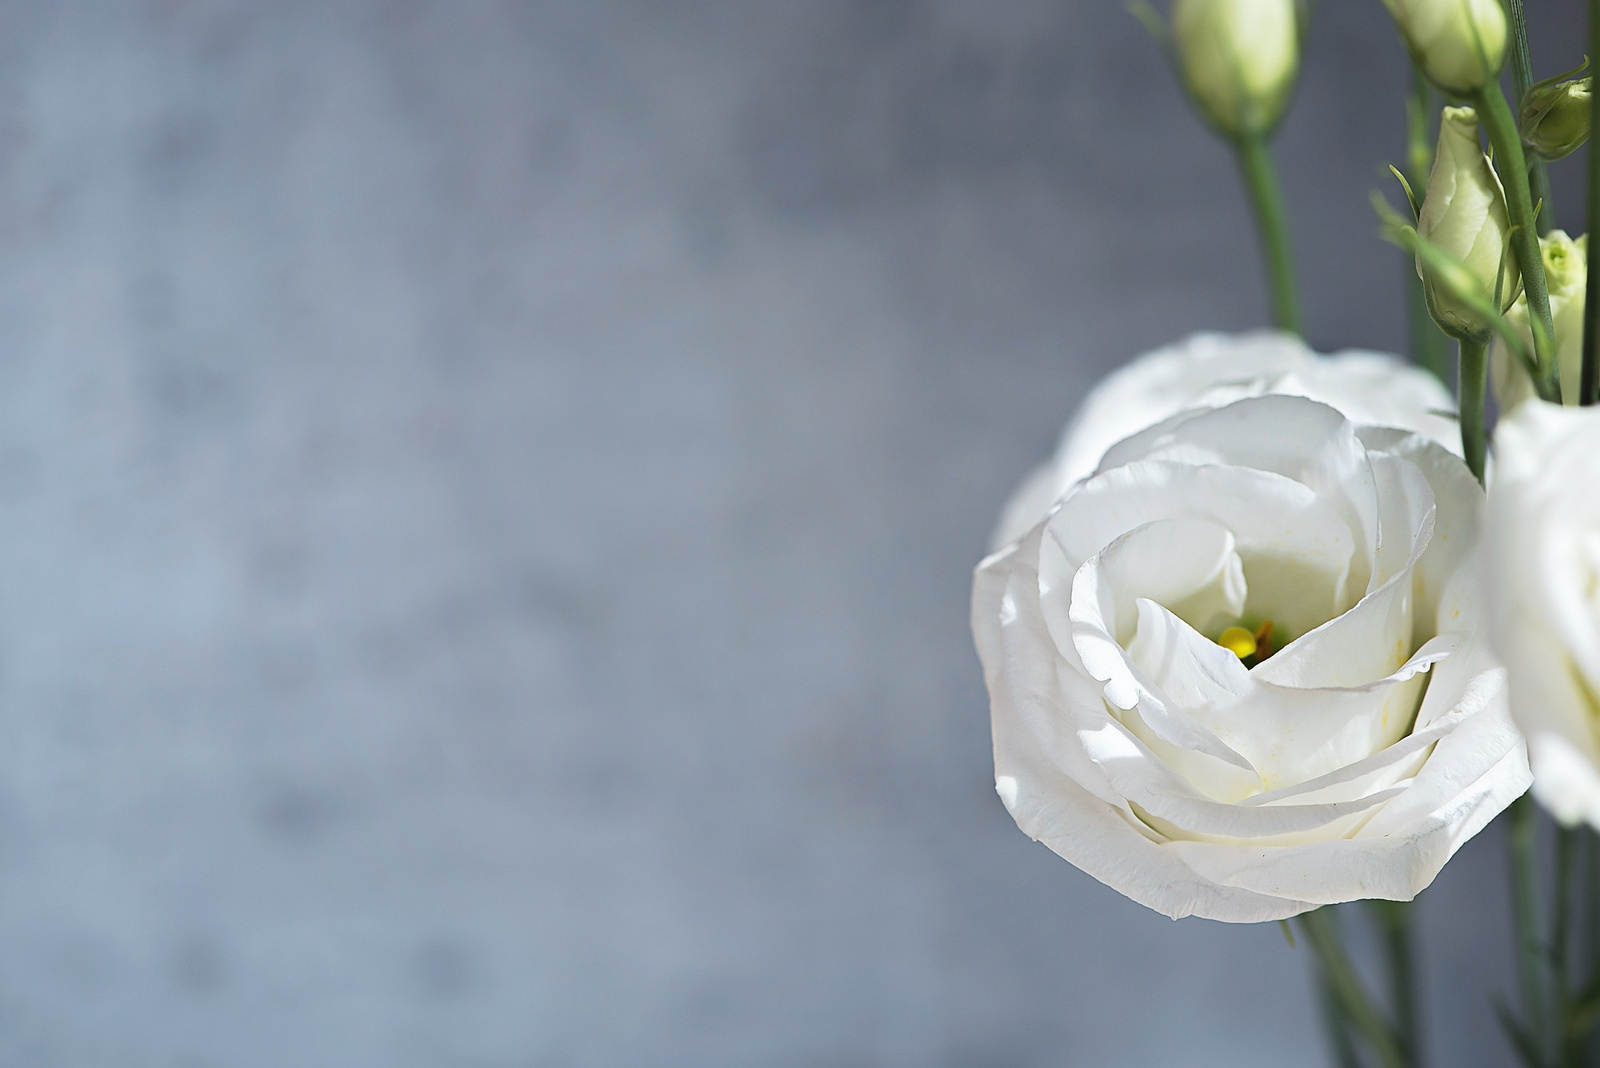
1238 641
1264 640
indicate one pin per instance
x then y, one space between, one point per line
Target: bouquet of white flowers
1257 641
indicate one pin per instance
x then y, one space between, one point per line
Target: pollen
1264 640
1238 641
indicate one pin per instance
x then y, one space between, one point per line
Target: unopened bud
1238 59
1459 44
1555 117
1464 215
1566 273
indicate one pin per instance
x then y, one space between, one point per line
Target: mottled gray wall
487 494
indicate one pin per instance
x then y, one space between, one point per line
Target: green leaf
1411 198
1147 14
1548 82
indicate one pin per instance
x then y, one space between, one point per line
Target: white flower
1543 576
1348 759
1210 370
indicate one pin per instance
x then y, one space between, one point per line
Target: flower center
1250 646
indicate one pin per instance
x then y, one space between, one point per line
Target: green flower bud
1555 118
1238 59
1464 214
1459 44
1566 272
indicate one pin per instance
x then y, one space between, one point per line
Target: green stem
1588 941
1560 937
1521 79
1321 928
1591 900
1261 181
1589 375
1339 1037
1495 114
1428 343
1525 903
1472 383
1395 919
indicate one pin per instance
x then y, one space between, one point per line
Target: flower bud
1464 215
1459 44
1555 118
1238 59
1566 273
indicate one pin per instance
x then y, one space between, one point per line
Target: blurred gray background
487 497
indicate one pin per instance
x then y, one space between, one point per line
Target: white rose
1210 370
1351 762
1543 576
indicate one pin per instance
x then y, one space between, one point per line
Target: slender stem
1394 917
1428 342
1573 946
1472 384
1589 942
1261 181
1591 899
1589 376
1525 903
1495 114
1521 79
1560 937
1339 1037
1321 928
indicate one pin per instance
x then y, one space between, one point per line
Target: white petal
1091 625
1163 383
1210 370
1446 580
1301 440
1107 842
1186 668
1279 527
1543 577
1189 562
1565 780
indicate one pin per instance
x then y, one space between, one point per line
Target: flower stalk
1474 384
1272 225
1321 928
1589 376
1560 937
1495 115
1521 81
1343 1042
1394 918
1530 950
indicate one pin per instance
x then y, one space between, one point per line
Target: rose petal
1279 527
1323 454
